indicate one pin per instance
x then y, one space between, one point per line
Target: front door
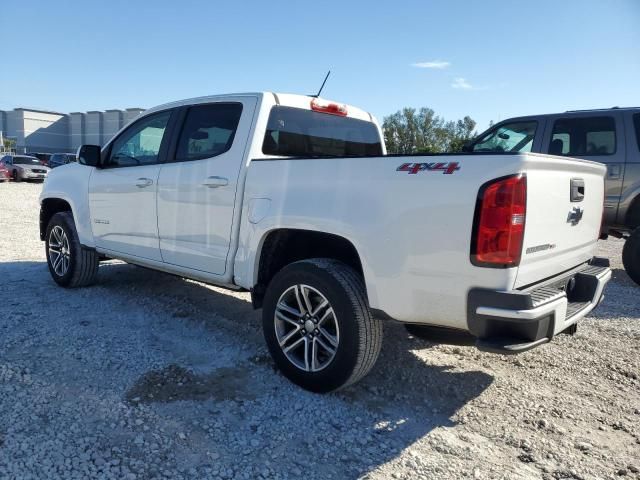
122 193
197 185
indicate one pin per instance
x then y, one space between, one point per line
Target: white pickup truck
294 199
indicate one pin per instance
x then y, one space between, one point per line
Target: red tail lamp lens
499 223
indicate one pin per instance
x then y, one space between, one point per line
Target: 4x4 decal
445 167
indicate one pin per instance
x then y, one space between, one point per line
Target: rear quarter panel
412 231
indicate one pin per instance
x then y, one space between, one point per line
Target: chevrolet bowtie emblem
575 215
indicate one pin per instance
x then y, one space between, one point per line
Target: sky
487 59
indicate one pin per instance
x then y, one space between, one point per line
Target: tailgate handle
577 189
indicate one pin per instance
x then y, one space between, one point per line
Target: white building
49 132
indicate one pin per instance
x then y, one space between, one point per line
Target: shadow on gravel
344 435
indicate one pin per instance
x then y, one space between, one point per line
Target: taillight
498 227
318 105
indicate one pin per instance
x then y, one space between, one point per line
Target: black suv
609 136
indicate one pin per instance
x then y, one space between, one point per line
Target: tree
422 131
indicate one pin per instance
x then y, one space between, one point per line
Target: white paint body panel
412 232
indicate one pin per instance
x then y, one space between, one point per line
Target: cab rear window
305 133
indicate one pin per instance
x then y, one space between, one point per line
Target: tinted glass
586 136
208 130
140 143
25 161
509 137
297 132
636 123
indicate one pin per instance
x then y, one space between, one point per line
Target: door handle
614 171
215 182
143 182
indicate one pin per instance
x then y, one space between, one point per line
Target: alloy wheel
59 252
306 328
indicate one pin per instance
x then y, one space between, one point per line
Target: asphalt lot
146 375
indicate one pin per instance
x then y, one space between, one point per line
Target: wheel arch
283 246
48 208
632 216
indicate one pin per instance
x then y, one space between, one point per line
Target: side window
583 136
509 137
140 143
636 123
208 130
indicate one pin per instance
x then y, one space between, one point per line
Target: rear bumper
516 321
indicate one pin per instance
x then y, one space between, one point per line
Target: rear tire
631 256
320 348
70 264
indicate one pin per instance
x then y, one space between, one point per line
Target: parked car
58 159
43 157
22 167
293 199
5 175
610 136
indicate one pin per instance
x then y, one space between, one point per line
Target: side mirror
467 147
89 155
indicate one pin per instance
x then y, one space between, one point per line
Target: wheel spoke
299 299
306 353
305 297
326 316
286 319
323 304
329 350
332 340
288 309
294 344
289 336
314 355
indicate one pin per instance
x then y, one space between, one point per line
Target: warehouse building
49 132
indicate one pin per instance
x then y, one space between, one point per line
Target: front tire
631 256
318 326
69 263
16 177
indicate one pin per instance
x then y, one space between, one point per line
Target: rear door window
208 130
583 136
305 133
509 137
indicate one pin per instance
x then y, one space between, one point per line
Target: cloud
436 65
462 84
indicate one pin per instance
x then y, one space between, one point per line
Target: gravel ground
146 375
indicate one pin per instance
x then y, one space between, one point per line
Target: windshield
509 137
305 133
25 161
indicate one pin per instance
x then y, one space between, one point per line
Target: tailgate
564 213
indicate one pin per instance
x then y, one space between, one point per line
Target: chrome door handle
214 182
143 182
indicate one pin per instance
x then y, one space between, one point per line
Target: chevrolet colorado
294 199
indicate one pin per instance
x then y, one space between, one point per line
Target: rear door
631 183
597 136
197 185
122 193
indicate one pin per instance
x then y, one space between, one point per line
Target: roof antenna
322 86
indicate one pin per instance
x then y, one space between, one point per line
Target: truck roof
571 112
284 99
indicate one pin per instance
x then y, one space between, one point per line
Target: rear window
636 123
305 133
587 136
